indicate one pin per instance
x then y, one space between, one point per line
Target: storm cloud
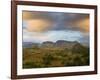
44 22
60 21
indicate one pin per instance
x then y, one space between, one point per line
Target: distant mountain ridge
49 44
29 44
60 44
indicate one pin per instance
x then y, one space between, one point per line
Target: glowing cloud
27 15
38 25
83 25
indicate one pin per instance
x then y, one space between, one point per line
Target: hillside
55 54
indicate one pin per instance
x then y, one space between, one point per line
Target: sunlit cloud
27 15
83 24
80 25
56 21
38 25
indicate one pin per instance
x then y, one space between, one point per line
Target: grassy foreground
39 57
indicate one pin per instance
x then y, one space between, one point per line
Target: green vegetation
40 57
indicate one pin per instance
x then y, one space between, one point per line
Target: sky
52 26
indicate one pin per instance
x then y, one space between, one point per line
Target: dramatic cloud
38 25
55 26
60 21
27 15
36 21
83 24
